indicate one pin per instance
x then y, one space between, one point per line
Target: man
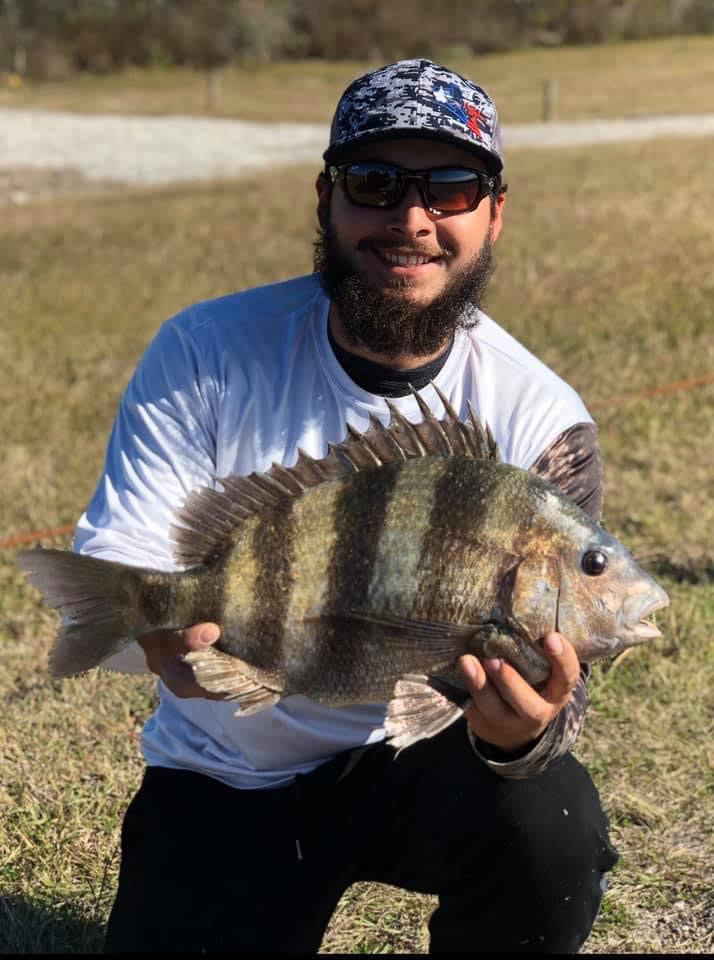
246 831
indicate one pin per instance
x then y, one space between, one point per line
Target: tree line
52 38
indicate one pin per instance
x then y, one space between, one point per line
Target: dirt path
64 150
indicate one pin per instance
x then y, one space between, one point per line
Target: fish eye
594 563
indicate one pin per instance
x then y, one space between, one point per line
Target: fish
363 576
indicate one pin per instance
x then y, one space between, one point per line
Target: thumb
200 636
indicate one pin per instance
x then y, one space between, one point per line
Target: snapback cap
416 98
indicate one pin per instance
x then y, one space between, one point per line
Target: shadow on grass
30 927
700 570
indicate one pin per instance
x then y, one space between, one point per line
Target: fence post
19 59
213 89
550 99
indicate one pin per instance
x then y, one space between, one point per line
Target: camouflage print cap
416 98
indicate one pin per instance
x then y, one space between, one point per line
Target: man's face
370 239
399 310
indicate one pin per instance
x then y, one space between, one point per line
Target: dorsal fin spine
387 434
365 445
337 450
289 480
305 460
428 417
408 426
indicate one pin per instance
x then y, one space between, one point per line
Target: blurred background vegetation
53 39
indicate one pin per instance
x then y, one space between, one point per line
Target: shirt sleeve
162 446
572 463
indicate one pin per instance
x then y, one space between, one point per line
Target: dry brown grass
670 75
605 270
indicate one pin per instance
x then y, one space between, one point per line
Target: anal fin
219 672
420 708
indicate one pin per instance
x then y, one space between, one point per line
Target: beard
386 321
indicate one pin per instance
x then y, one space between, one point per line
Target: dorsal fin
207 521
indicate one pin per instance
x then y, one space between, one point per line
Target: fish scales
337 659
346 525
364 576
458 572
395 577
379 527
386 550
359 527
272 547
175 601
239 577
361 512
316 534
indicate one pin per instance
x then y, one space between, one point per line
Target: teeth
404 260
645 630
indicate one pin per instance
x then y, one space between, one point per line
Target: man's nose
411 217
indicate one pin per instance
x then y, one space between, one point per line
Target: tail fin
98 600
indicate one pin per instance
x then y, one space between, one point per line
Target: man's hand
506 710
164 650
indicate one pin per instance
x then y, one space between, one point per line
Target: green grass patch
605 270
668 75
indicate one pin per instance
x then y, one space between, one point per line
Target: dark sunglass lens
453 191
371 185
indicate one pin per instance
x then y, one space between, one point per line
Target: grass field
670 75
605 269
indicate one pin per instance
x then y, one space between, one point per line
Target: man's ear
324 192
497 216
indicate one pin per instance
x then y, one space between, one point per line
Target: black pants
518 865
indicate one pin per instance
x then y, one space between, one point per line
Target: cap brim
339 151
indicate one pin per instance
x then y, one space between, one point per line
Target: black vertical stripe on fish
273 552
202 595
360 513
459 510
153 597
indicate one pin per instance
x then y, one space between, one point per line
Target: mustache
409 249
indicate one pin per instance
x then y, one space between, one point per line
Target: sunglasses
442 189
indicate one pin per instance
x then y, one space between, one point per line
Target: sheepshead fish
362 577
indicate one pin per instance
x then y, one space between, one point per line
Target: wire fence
21 539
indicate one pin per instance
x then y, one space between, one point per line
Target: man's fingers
197 637
165 649
517 692
483 695
473 673
177 642
505 709
564 668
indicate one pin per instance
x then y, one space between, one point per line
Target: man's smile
405 262
404 259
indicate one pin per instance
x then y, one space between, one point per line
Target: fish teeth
646 630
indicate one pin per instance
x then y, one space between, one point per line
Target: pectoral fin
218 672
420 708
435 639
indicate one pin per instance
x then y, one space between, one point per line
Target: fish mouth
638 628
